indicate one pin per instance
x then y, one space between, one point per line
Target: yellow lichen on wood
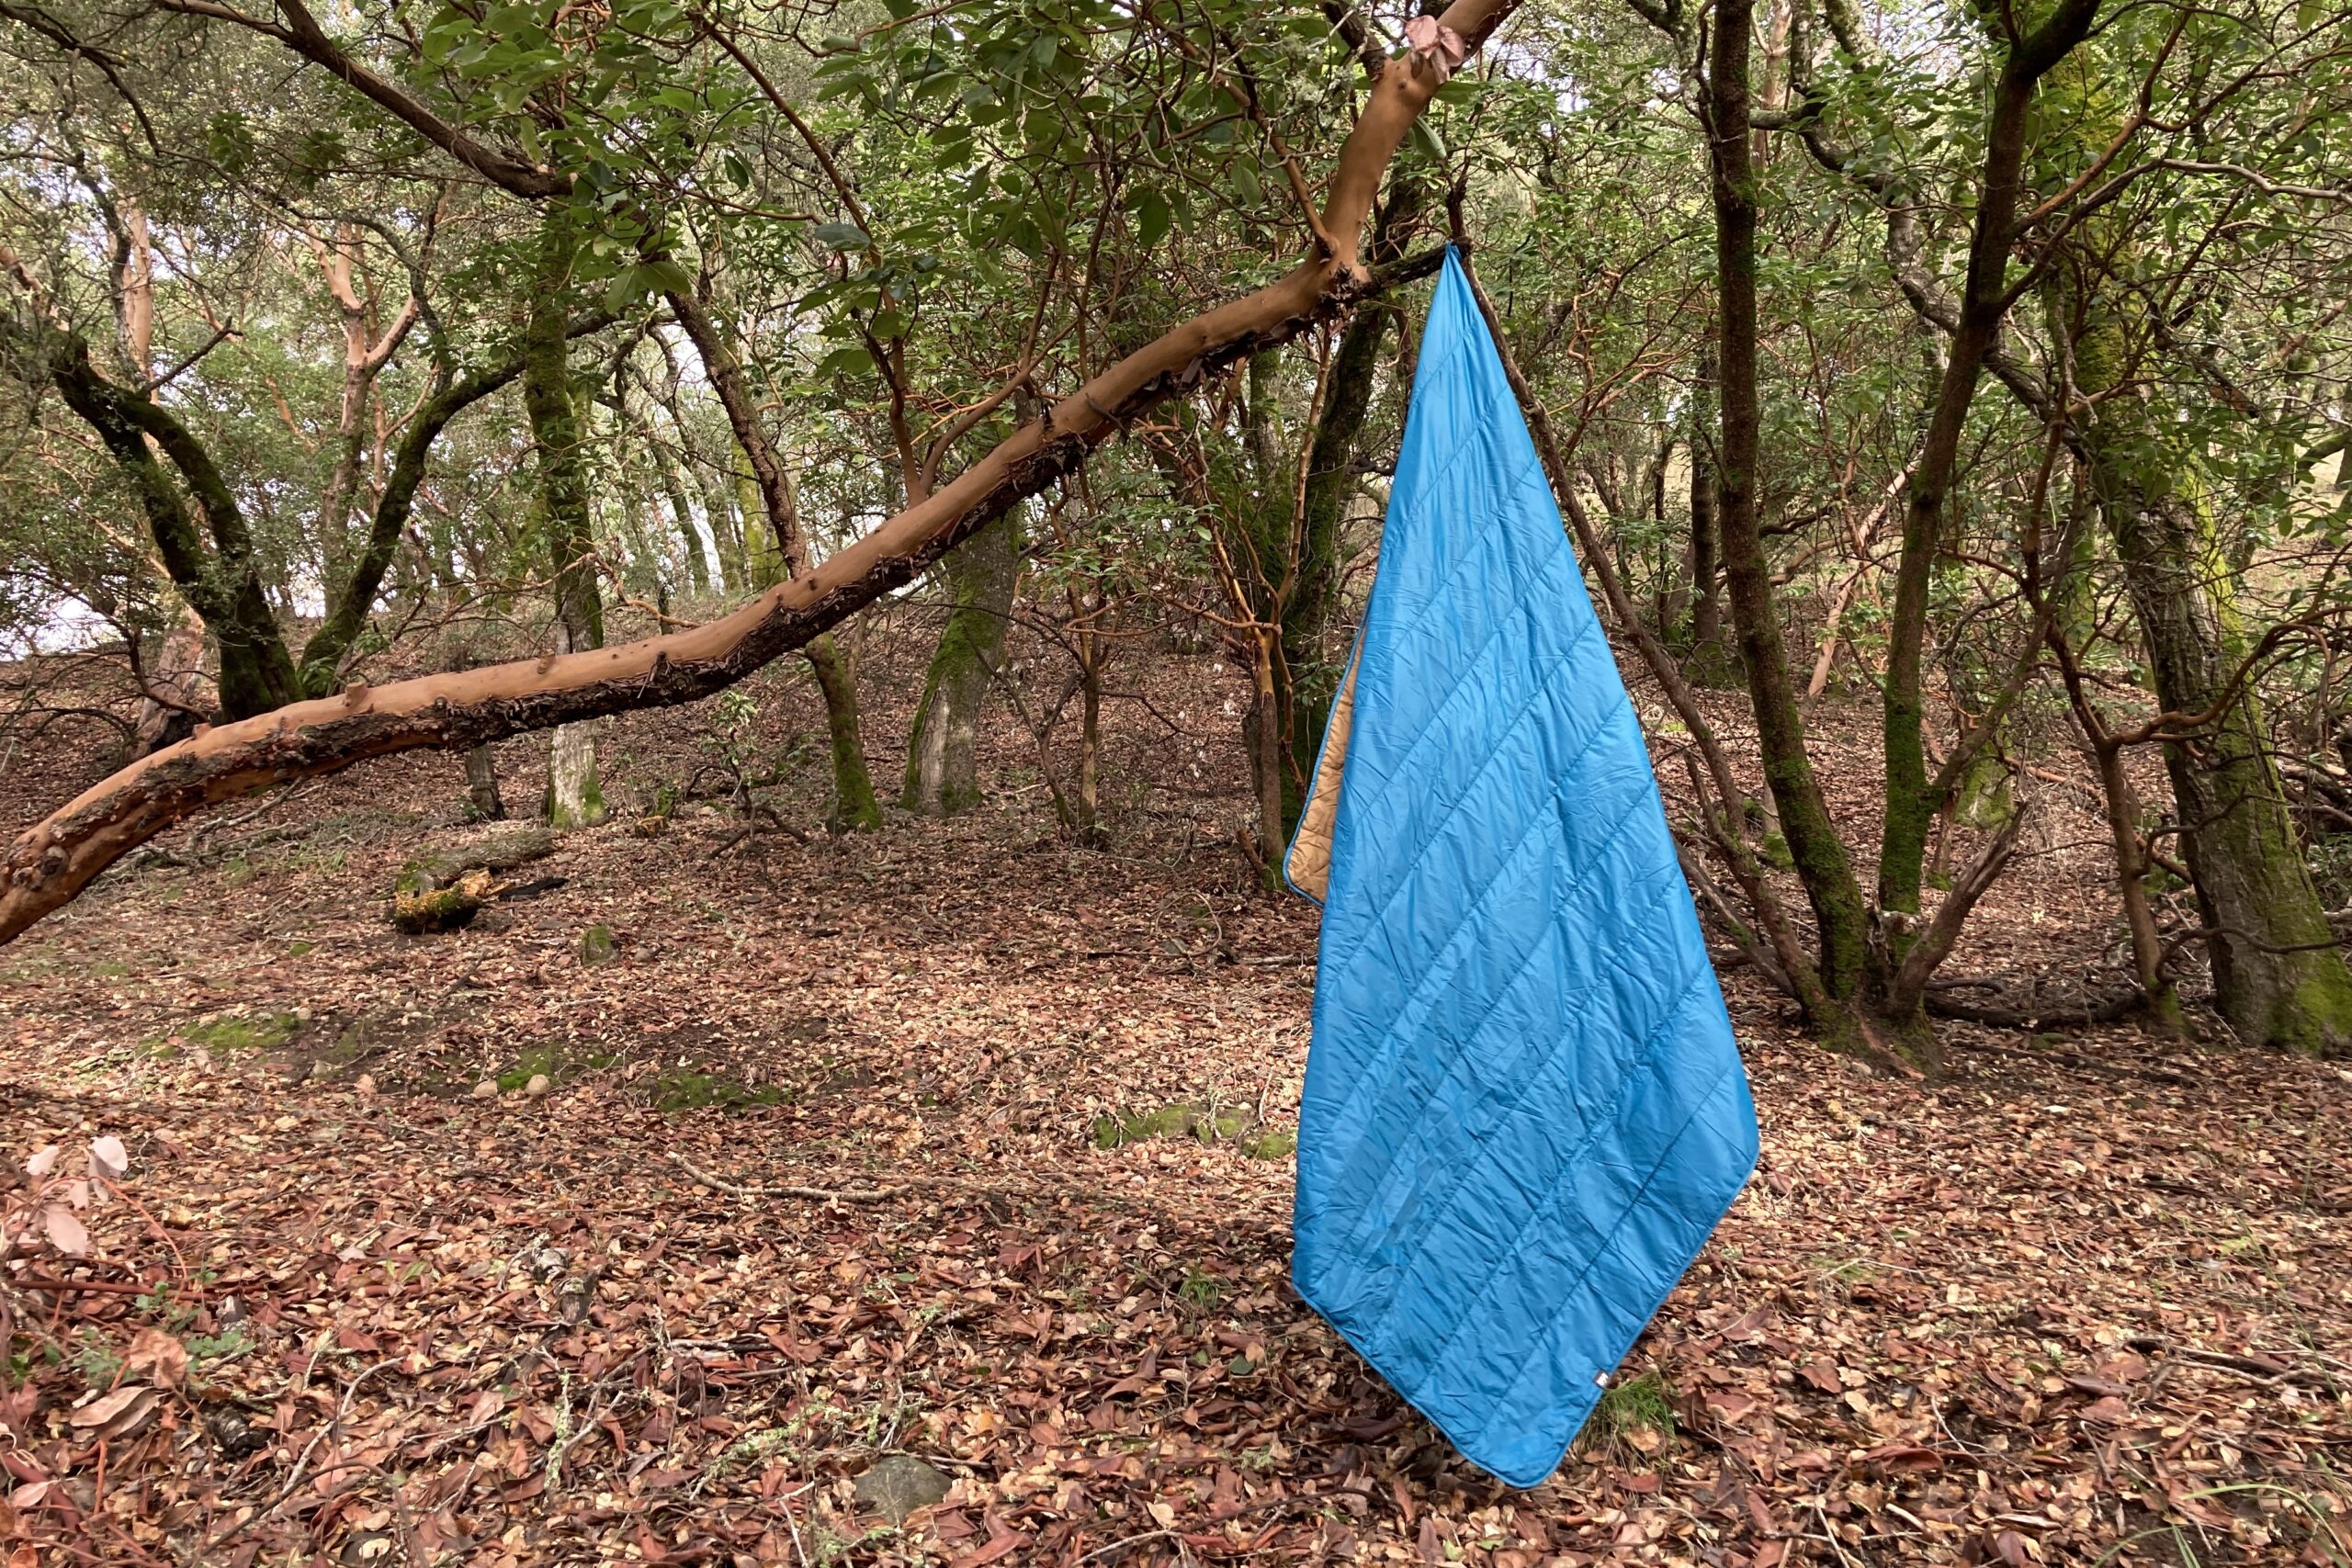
442 909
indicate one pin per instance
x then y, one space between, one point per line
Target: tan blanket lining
1308 865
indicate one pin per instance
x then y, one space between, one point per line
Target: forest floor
2086 1300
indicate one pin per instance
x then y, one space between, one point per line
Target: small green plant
158 1304
679 1088
1168 1122
733 736
2317 1513
96 1361
1199 1292
548 1059
225 1346
1633 1423
230 1034
1844 1271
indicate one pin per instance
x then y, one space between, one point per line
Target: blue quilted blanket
1525 1108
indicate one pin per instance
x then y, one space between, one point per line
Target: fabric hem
1536 1479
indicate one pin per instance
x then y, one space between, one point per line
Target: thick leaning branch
54 859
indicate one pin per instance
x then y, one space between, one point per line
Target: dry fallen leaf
108 1158
117 1414
65 1232
154 1350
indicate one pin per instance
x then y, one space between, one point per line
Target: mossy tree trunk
1840 914
482 785
943 769
349 606
764 490
575 798
854 807
1309 671
1914 797
1707 660
2132 862
681 513
222 584
2277 974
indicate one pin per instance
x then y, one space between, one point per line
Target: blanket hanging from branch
1525 1108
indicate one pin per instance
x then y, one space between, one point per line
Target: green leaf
845 362
842 237
667 277
1154 217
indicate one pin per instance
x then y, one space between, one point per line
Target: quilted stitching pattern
1525 1108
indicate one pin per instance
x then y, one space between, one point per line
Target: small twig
222 825
815 1194
294 1480
1138 1540
38 1281
2270 1372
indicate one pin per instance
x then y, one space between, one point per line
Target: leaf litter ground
2084 1302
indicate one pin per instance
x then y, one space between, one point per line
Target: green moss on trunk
854 807
943 774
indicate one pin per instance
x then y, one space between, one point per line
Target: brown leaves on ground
2057 1310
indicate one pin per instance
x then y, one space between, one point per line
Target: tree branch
303 34
52 862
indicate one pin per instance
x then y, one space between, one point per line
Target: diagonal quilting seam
1470 1311
1518 468
1470 664
1460 1172
1558 532
1539 688
1438 964
1714 1090
1439 967
1588 1395
1549 814
1552 1191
